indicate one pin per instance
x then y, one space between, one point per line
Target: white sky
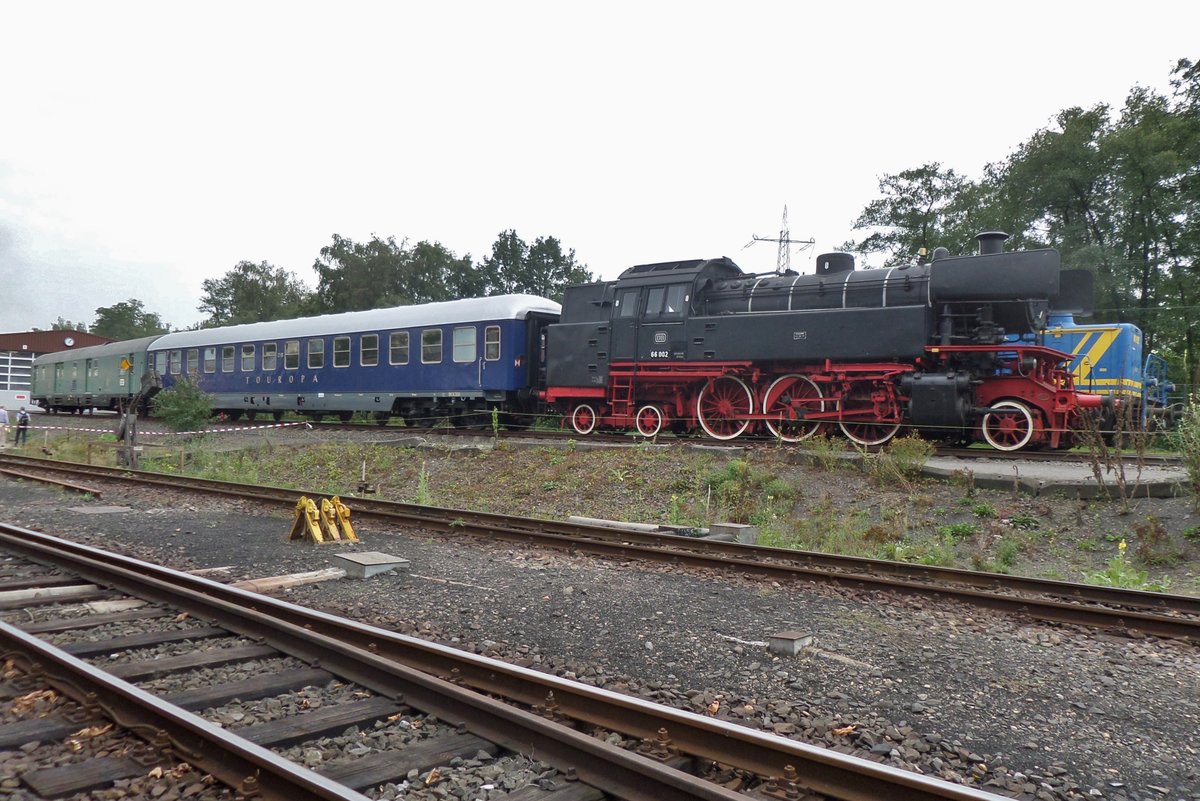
145 147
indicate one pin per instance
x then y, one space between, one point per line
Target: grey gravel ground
967 695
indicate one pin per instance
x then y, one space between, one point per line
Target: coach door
625 326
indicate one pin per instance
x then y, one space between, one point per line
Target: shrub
1186 439
183 407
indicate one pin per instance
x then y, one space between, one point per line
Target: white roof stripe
500 307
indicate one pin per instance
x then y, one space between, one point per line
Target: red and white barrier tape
144 433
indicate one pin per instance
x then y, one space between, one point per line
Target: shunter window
368 350
491 343
464 344
398 348
227 359
291 355
316 354
431 346
210 360
341 351
193 361
247 358
269 353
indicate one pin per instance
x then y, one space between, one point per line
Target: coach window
398 348
431 346
628 303
193 361
316 354
160 362
175 362
210 360
368 350
491 343
464 344
227 359
291 355
270 350
247 358
341 351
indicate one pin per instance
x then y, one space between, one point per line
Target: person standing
22 435
3 427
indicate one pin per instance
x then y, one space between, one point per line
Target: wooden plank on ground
145 639
25 603
250 689
81 777
392 766
328 720
90 621
210 657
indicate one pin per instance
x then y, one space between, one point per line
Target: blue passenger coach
453 359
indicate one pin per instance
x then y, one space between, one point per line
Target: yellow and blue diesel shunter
1108 360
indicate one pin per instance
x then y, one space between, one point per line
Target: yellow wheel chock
331 523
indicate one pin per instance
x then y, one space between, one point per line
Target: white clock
69 341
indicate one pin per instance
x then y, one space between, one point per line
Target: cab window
628 303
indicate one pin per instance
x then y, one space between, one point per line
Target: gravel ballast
964 694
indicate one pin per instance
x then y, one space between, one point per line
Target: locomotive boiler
939 345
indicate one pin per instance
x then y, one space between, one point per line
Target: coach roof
451 312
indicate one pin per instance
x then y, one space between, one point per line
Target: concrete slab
1069 479
99 510
789 643
370 563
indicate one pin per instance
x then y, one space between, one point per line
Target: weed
423 498
1024 521
1192 533
549 486
1186 440
1152 546
1120 573
958 531
827 452
901 462
619 474
985 510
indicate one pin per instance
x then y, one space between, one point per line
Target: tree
127 320
917 210
66 325
252 293
383 272
183 407
541 269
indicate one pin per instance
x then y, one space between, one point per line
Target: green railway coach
104 377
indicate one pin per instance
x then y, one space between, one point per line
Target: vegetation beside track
876 507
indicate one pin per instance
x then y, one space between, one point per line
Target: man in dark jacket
22 434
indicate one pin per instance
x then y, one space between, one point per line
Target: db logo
660 337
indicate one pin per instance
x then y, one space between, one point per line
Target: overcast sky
147 147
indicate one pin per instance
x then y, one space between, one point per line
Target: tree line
355 276
1116 191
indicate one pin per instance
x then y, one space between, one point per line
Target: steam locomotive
945 346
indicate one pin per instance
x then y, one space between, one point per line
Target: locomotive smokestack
991 242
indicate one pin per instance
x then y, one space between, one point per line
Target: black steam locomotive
701 345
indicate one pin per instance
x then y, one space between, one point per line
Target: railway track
1109 608
106 422
472 708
